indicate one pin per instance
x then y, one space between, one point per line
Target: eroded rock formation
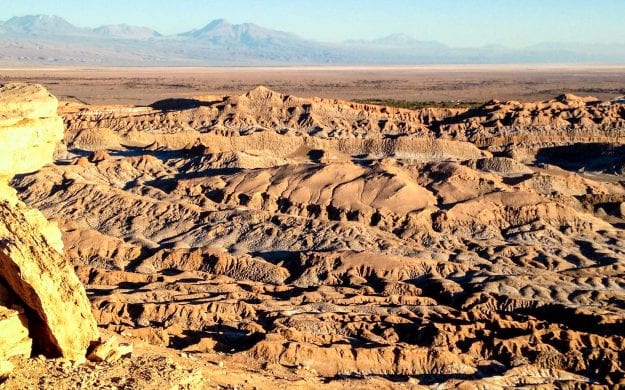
477 247
30 128
41 300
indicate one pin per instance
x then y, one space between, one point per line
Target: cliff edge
43 306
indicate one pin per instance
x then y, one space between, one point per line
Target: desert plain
472 83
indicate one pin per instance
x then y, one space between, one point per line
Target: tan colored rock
44 280
14 340
20 101
5 368
30 128
35 218
110 351
29 144
31 265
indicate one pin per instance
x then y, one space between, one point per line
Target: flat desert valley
474 83
266 228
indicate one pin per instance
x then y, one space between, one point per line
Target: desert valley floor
262 239
468 83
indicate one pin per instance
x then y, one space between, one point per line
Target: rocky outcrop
44 300
30 128
61 322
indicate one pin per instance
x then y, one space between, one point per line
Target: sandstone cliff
30 128
43 305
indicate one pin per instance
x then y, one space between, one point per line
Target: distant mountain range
51 40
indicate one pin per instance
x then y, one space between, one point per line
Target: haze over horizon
457 24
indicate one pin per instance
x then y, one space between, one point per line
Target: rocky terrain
311 241
43 305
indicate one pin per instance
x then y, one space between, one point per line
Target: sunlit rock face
42 302
30 128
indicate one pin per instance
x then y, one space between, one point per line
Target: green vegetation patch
416 105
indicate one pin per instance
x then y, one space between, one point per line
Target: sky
460 23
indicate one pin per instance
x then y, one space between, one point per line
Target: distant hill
222 32
40 25
124 31
399 41
45 39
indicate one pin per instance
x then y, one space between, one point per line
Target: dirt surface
421 83
308 241
156 368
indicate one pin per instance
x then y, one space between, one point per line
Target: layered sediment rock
50 299
30 128
61 322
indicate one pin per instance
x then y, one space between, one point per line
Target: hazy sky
455 22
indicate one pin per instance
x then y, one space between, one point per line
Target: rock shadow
602 157
178 104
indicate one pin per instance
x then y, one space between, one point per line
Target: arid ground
299 241
420 83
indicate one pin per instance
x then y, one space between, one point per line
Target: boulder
109 351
